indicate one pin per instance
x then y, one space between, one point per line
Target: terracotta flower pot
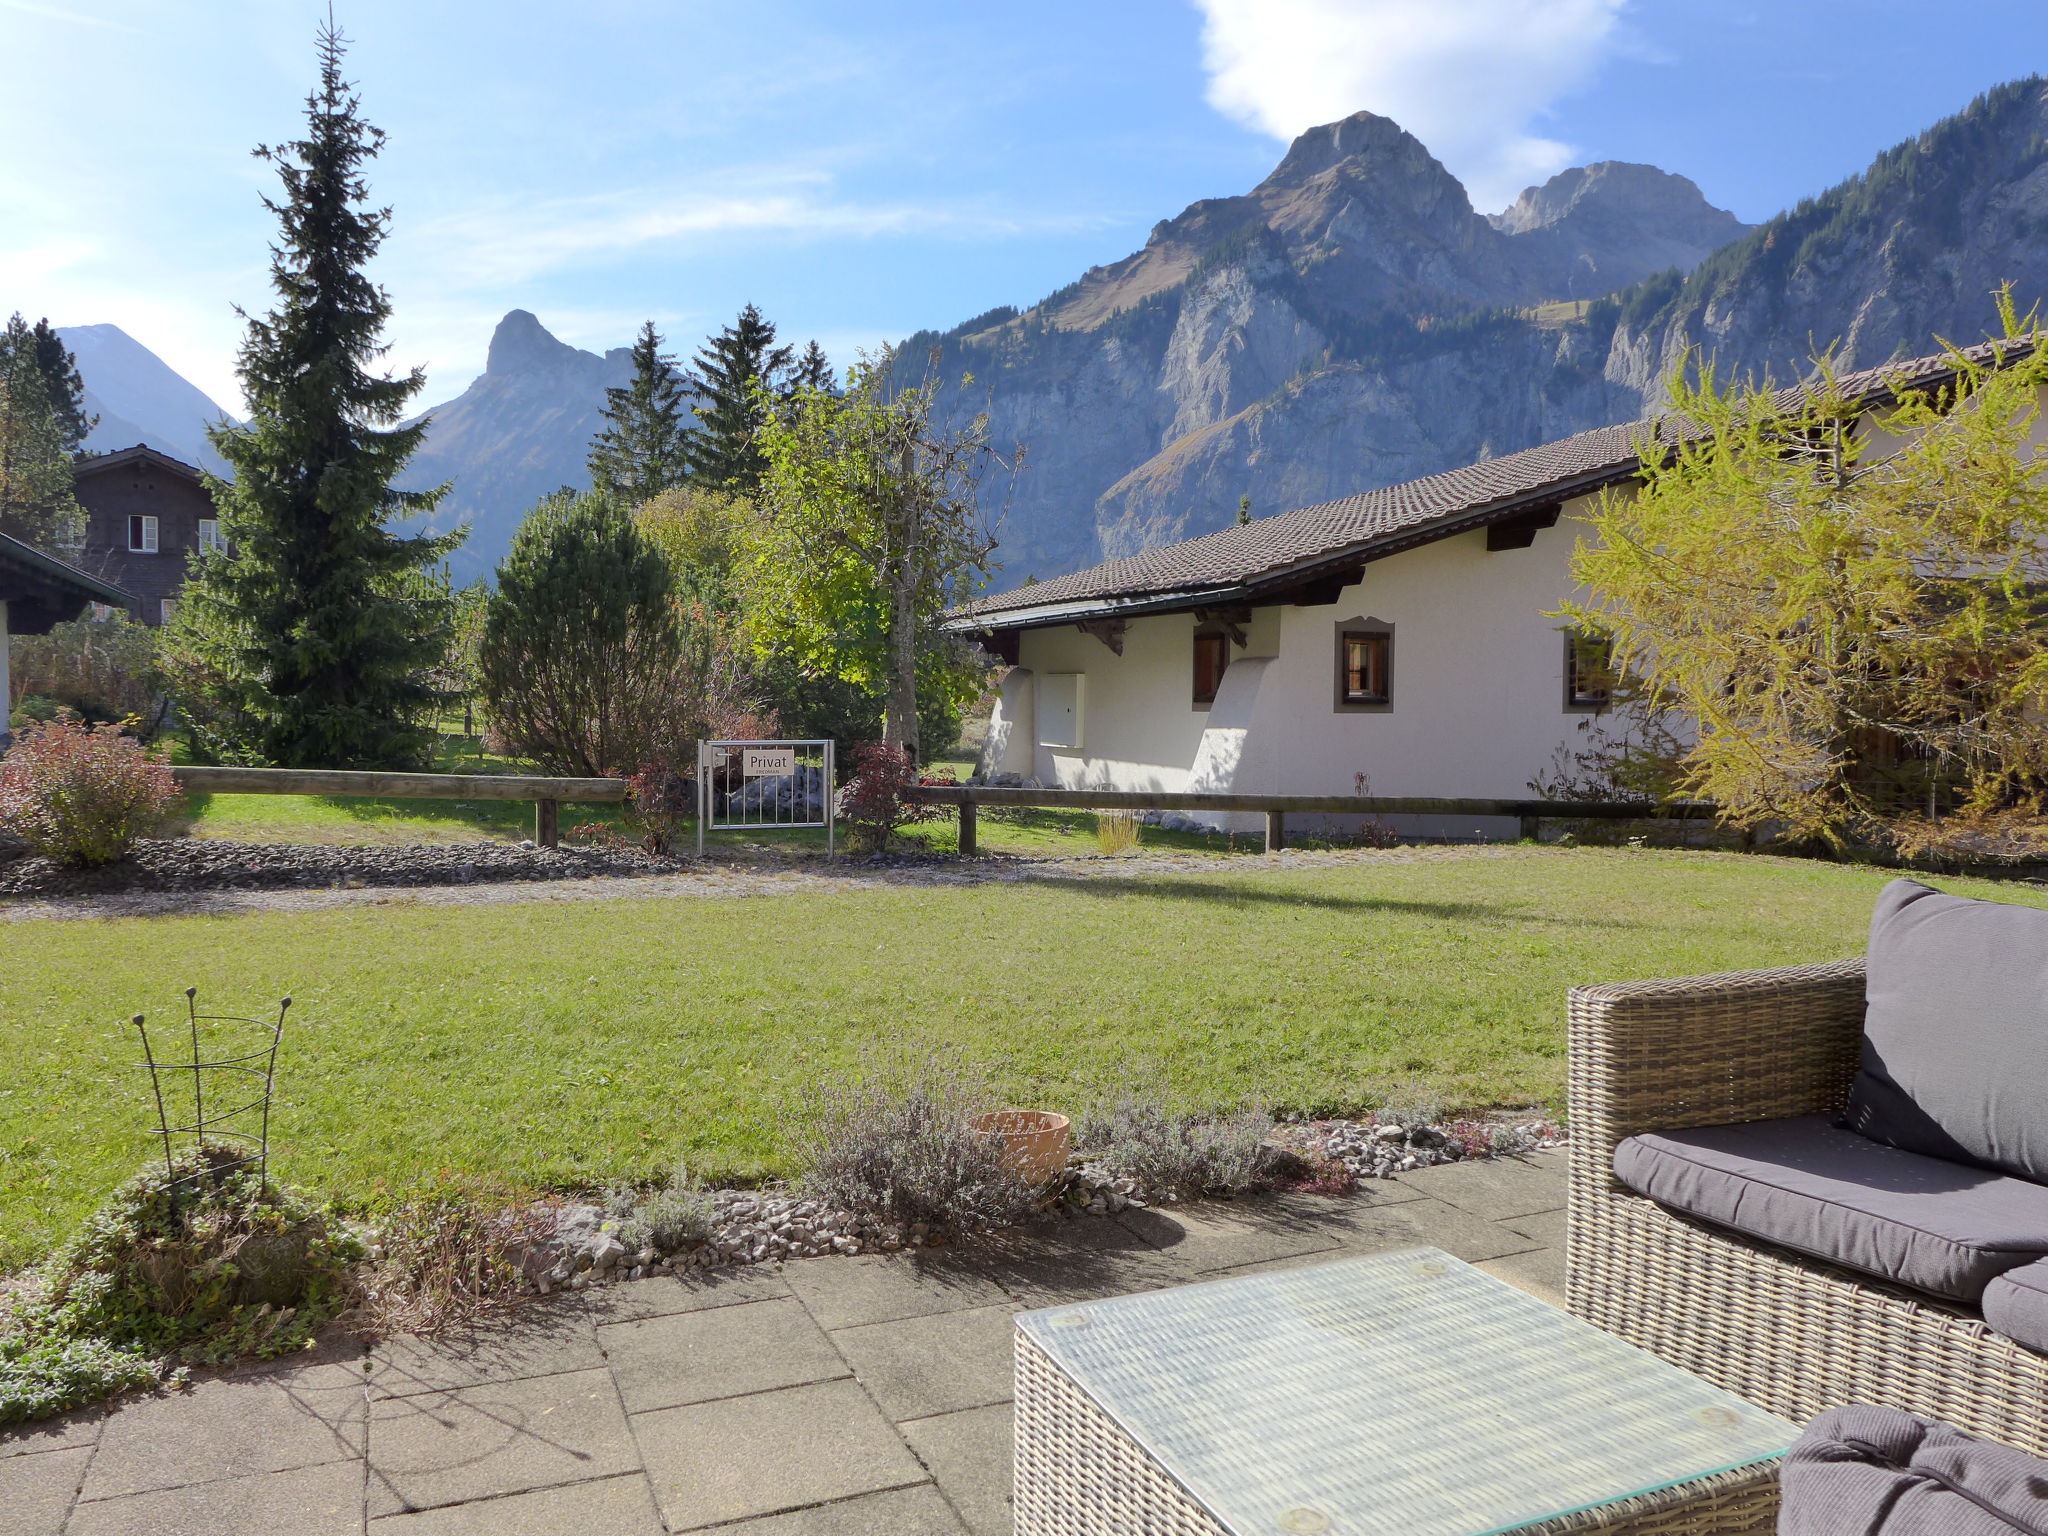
1036 1142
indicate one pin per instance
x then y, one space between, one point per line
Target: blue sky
863 171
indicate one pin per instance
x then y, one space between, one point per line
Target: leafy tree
317 638
36 501
642 450
737 371
62 383
1822 598
868 528
588 662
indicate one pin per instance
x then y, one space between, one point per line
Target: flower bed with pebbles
768 1226
1379 1149
207 864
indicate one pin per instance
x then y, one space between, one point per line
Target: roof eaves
61 571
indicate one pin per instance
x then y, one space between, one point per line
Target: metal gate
765 786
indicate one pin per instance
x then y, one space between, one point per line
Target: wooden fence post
547 823
967 828
1531 829
1276 831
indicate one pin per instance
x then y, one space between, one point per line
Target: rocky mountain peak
521 344
1364 137
1617 192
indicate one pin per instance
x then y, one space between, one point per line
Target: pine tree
641 451
315 639
62 384
36 504
733 368
812 371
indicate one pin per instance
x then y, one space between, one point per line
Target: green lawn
559 1044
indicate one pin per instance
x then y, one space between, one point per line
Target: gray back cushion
1955 1037
1864 1471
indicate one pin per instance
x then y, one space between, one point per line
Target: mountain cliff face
139 398
1880 265
1300 342
521 430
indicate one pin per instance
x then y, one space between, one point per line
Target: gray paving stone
904 1512
664 1295
919 1366
1539 1272
970 1454
1080 1260
615 1506
728 1460
1496 1189
65 1432
542 1338
878 1288
272 1420
693 1357
508 1437
1429 1223
1214 1236
36 1491
1546 1227
313 1501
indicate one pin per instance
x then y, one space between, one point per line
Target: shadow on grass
1223 893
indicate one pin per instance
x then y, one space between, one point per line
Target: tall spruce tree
812 371
36 504
641 451
316 637
734 371
63 386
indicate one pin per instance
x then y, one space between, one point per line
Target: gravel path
707 879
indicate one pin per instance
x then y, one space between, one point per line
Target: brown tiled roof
1236 562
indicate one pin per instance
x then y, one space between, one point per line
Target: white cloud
1470 78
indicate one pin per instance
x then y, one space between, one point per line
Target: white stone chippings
769 1226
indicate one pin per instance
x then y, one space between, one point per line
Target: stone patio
831 1397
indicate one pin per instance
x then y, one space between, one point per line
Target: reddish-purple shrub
83 794
877 801
660 801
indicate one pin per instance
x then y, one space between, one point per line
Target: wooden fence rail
546 794
966 798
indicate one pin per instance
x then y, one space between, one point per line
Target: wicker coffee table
1401 1393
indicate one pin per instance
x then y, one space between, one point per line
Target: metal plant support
762 786
214 1123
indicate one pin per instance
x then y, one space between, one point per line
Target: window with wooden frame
1365 665
142 534
1212 660
1588 670
209 534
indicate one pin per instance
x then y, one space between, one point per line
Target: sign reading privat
759 760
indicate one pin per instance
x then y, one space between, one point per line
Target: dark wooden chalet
146 516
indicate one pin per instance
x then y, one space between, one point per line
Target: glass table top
1401 1392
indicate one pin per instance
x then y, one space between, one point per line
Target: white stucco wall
1477 701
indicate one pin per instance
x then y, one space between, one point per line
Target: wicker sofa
1792 1334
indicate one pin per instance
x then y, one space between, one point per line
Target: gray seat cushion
1809 1185
2016 1304
1861 1471
1956 1030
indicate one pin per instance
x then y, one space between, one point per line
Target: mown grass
559 1044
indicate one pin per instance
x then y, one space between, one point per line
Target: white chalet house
1396 640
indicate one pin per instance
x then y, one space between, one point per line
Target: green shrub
221 1266
83 794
